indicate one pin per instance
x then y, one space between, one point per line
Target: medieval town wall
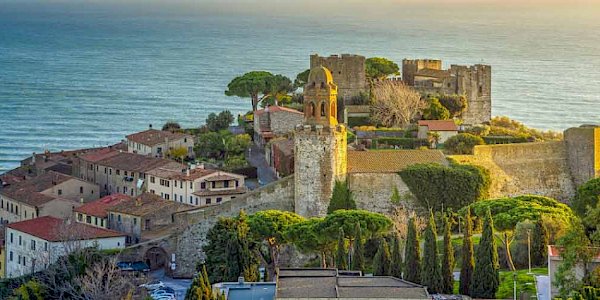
527 168
193 225
373 191
583 146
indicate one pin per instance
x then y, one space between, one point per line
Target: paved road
179 285
256 158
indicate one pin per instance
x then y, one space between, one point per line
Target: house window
16 209
32 245
219 199
151 179
109 171
10 256
203 185
25 214
119 218
175 197
81 190
11 237
153 191
96 221
226 183
196 200
191 185
185 140
180 198
214 184
20 241
134 221
88 219
102 222
59 192
131 192
167 196
191 200
237 183
124 190
118 172
79 217
208 200
24 263
45 246
104 170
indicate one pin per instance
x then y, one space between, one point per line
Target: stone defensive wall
193 225
528 168
373 191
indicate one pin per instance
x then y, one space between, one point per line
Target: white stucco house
445 128
33 245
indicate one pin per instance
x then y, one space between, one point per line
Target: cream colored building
32 245
116 172
555 260
444 128
50 194
197 186
157 143
95 213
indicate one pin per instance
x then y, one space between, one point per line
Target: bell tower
320 98
320 146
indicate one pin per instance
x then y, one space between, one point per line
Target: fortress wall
527 168
583 145
373 191
193 225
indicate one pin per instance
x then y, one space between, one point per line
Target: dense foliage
378 68
412 255
358 250
223 146
238 259
341 255
462 143
468 261
507 212
439 187
504 126
539 244
435 110
486 278
455 104
301 79
171 126
219 122
431 275
587 197
447 284
396 267
201 289
341 197
382 259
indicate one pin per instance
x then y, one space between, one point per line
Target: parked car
152 285
124 266
164 298
161 293
140 266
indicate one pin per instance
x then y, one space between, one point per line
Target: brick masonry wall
528 168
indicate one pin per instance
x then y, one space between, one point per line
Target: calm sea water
74 76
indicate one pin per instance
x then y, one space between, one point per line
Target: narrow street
256 158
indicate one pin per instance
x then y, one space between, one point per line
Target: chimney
187 172
241 280
33 159
150 126
81 200
138 201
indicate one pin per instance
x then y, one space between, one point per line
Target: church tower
320 146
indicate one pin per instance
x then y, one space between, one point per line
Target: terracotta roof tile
56 230
133 162
153 137
29 191
439 125
98 207
391 161
148 203
170 172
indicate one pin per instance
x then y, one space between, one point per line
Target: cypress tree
486 278
340 255
341 198
431 275
468 262
447 260
412 254
381 262
539 244
358 255
396 268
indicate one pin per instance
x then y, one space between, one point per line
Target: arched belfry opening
320 98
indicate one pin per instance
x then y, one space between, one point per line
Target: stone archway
156 258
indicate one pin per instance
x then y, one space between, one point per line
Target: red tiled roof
147 203
554 251
275 108
56 230
391 161
153 137
439 125
101 154
133 162
98 208
29 191
177 173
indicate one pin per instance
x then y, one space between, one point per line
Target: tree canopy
371 224
216 122
587 197
486 278
435 110
436 186
258 85
462 143
378 68
301 78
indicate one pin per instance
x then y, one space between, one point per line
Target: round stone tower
320 146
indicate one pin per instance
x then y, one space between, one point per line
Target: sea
78 74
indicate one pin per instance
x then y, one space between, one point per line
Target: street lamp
529 249
515 285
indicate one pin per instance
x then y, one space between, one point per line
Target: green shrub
359 121
462 143
455 186
493 140
403 143
435 111
587 196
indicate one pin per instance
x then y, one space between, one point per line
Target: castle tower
348 71
320 146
